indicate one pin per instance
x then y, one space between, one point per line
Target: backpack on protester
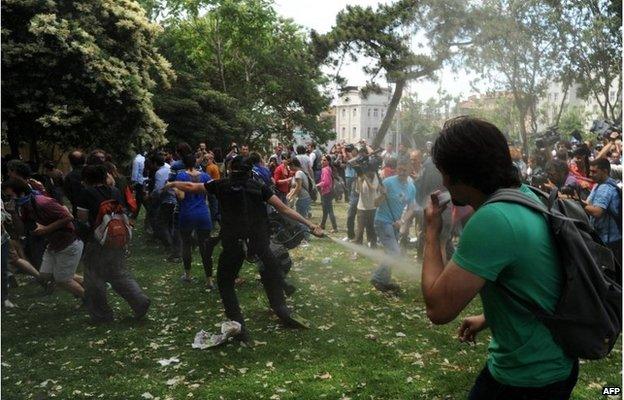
587 318
112 228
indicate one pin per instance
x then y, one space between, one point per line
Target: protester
194 217
54 222
368 190
315 158
283 177
165 202
104 264
304 160
72 183
138 182
604 206
524 361
245 220
325 185
300 190
397 193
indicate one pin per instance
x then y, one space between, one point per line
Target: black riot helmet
240 168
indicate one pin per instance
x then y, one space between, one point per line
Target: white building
359 117
549 104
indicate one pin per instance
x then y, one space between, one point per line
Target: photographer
559 177
245 229
604 205
613 145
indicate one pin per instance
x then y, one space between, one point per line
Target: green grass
352 350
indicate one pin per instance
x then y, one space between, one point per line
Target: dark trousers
213 204
351 213
487 388
139 195
108 265
205 245
230 261
5 270
166 228
366 220
616 248
328 210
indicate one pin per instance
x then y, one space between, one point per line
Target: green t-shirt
512 244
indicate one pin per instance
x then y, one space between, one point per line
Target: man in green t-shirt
503 244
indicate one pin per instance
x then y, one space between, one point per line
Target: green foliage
516 49
255 71
419 121
384 35
80 73
594 46
502 113
572 119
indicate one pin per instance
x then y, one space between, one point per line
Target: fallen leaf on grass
324 376
167 361
147 395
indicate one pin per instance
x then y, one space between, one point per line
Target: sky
320 15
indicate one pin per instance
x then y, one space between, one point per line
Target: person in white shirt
138 181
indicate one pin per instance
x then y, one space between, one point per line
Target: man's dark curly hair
475 153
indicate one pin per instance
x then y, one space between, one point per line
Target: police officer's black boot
275 294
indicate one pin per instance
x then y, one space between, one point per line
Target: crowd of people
204 198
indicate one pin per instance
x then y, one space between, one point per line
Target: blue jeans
487 388
353 200
302 206
387 235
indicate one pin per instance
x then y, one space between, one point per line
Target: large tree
385 34
517 49
255 67
594 45
80 72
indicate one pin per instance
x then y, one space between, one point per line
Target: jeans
366 220
387 235
353 200
302 206
108 265
328 210
205 244
487 388
349 181
166 230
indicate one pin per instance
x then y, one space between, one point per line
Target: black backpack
588 316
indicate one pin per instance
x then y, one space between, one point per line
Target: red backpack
112 229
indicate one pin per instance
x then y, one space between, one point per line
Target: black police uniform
245 223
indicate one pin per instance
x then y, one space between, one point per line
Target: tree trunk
385 124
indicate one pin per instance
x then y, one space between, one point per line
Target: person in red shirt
282 177
54 222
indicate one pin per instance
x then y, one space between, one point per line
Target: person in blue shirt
604 206
260 170
194 216
398 193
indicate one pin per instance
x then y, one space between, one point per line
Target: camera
547 138
364 163
603 128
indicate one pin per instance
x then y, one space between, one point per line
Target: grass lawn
362 345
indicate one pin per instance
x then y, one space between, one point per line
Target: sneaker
345 239
354 256
304 243
186 279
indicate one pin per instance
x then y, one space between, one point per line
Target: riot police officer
245 231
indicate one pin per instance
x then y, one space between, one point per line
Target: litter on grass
204 340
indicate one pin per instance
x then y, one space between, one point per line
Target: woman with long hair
325 186
194 216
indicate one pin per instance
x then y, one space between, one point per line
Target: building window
354 131
344 113
354 111
368 133
369 112
375 112
343 132
375 131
